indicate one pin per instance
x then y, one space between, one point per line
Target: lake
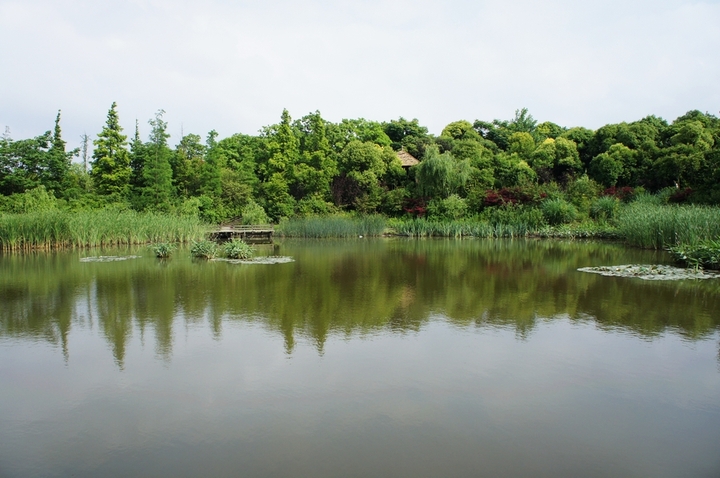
380 357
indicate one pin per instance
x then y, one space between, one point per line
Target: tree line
311 166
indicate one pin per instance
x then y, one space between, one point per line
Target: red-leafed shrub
416 207
511 196
625 193
681 195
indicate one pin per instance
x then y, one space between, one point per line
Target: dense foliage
310 166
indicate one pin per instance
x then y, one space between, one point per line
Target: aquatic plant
163 250
237 249
203 249
703 255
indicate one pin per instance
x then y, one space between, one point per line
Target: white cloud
233 66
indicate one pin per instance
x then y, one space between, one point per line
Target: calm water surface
361 358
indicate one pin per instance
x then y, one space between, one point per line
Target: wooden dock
260 234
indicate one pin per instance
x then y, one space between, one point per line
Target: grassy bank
59 229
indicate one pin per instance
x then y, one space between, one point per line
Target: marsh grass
332 227
458 228
61 229
656 227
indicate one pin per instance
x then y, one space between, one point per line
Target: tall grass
459 228
655 226
58 229
332 226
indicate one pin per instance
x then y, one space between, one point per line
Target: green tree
157 192
211 170
618 163
440 175
409 135
187 163
339 135
364 167
556 159
138 154
523 144
282 151
316 165
111 160
23 163
58 166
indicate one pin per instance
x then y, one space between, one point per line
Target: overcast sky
234 65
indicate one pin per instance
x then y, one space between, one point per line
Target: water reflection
347 288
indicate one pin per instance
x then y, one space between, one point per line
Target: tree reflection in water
348 288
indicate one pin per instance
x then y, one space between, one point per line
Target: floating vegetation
107 258
651 272
259 260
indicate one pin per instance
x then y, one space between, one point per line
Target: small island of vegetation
650 183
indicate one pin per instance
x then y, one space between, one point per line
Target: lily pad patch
107 258
259 260
651 272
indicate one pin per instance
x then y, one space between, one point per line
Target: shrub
32 200
453 207
237 249
558 211
680 196
203 249
415 207
604 208
253 213
581 192
625 194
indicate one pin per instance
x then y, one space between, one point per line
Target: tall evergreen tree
111 160
158 191
137 165
210 184
59 162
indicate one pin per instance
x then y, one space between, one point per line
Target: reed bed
459 228
656 227
332 227
59 229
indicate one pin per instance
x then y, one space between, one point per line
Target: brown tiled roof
407 159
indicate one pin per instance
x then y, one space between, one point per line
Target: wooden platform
260 234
